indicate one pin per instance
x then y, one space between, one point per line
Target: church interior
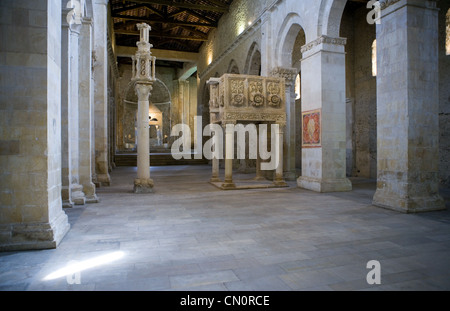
135 138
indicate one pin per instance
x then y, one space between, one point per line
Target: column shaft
279 175
229 145
85 113
324 116
101 92
407 110
143 183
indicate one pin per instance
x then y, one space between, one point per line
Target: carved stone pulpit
247 99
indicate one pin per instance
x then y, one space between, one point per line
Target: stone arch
253 61
330 16
88 9
287 35
233 67
160 98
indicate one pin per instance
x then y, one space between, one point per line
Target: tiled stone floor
191 236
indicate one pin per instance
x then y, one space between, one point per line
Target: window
298 87
447 27
374 58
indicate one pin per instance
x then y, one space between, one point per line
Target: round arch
291 27
160 102
330 16
233 67
253 61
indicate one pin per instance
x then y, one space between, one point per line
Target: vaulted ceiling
180 25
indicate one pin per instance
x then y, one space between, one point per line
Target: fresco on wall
311 128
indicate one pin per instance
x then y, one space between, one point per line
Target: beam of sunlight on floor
71 269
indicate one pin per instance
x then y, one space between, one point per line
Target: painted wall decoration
311 128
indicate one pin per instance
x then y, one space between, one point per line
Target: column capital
88 21
213 81
143 90
75 29
101 2
288 73
322 40
393 5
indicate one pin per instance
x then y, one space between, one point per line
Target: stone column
407 107
66 154
289 74
279 175
259 173
143 183
324 110
85 112
72 192
31 214
215 170
101 92
229 156
143 81
78 196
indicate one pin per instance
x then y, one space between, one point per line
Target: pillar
143 183
229 156
324 116
72 192
259 172
31 214
289 74
407 107
144 69
66 172
78 196
85 112
215 170
101 92
279 139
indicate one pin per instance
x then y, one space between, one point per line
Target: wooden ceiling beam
199 16
164 21
158 35
176 13
125 9
183 5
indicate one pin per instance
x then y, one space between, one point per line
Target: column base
290 175
280 183
259 178
92 199
324 185
89 192
103 180
19 237
410 204
78 196
215 180
67 204
143 186
228 186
